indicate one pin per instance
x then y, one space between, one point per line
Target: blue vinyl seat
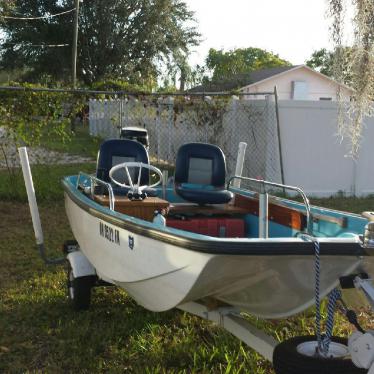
116 151
200 173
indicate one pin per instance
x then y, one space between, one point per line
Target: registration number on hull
109 233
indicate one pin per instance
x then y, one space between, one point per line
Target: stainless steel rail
98 181
264 183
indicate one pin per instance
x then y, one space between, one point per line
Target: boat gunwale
261 247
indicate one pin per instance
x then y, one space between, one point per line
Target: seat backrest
116 151
200 163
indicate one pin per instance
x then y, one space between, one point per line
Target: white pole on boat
239 163
27 176
165 176
263 205
31 195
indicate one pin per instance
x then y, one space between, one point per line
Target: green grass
79 143
39 331
346 204
47 181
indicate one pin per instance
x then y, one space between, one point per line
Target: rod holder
27 176
165 177
263 208
239 163
34 211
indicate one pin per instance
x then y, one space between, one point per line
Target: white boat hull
161 276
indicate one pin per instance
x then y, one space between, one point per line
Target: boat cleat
368 239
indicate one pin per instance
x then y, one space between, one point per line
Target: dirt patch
9 157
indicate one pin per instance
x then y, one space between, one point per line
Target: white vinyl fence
314 158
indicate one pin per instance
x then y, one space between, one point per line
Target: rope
317 271
334 296
323 341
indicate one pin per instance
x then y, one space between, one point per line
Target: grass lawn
346 204
47 181
79 143
41 333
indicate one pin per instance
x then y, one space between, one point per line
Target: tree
322 60
127 39
242 60
25 41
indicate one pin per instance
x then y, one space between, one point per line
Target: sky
293 29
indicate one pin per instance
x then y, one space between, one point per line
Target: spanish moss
351 115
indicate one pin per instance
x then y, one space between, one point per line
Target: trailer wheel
79 290
296 356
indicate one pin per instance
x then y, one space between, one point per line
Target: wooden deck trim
282 215
143 209
292 217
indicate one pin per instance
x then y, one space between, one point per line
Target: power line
37 45
41 17
48 45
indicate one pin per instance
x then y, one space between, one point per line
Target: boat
216 247
267 272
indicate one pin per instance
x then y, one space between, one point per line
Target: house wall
315 159
317 85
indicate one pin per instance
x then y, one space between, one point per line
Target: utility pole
75 44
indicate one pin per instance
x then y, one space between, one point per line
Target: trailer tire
288 360
79 290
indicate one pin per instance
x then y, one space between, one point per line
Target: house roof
240 80
247 79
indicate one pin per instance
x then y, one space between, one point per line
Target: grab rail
284 186
98 181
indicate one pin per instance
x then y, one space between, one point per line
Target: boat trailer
360 346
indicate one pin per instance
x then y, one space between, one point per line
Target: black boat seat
116 151
200 172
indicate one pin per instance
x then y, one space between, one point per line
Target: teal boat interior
286 218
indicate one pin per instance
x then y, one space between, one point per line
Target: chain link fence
39 117
223 120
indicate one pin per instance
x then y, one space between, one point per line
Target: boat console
143 209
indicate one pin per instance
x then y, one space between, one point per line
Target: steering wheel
135 189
